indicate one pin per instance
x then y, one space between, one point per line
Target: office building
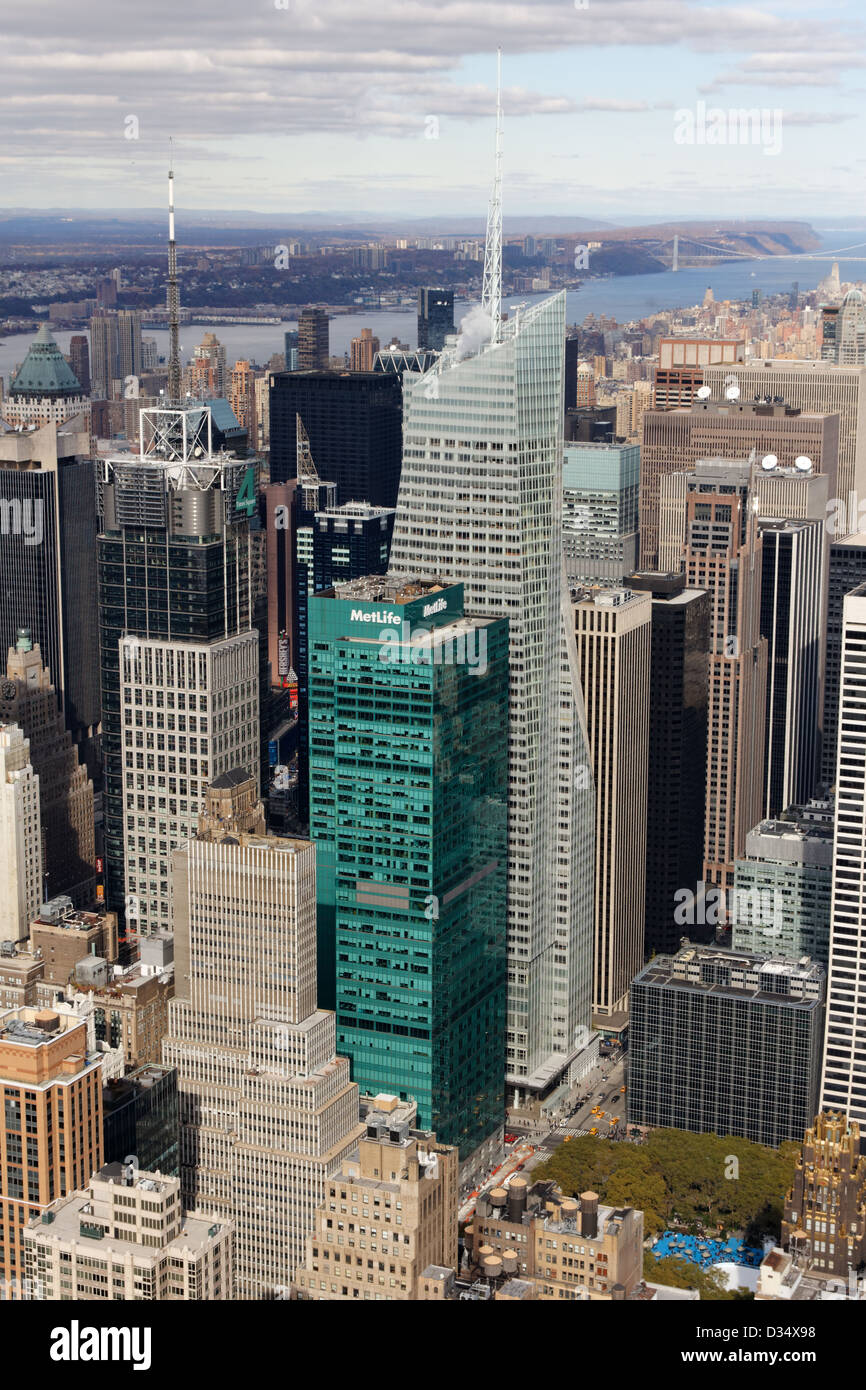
568 1248
48 564
400 1194
725 1042
792 621
673 441
20 836
847 571
179 654
267 1110
811 387
724 556
613 633
313 341
79 360
290 339
63 935
782 885
115 352
411 836
129 1006
676 785
353 423
28 699
44 390
843 331
363 351
435 317
140 1119
680 371
52 1125
125 1236
242 399
599 512
481 504
207 373
843 1085
824 1216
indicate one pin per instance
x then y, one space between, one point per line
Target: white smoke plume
475 329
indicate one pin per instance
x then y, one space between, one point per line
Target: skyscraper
843 331
811 387
353 422
481 504
179 655
20 836
313 340
410 831
676 777
725 1042
52 1123
268 1112
363 351
44 390
28 698
599 512
783 885
680 371
242 398
103 355
79 360
48 563
207 374
792 621
481 436
613 633
843 1085
435 317
847 572
673 440
724 556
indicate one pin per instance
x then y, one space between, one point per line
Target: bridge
674 250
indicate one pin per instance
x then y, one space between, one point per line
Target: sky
385 107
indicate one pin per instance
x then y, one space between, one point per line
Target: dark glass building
408 811
140 1119
722 1042
435 317
48 531
174 589
676 779
354 421
847 572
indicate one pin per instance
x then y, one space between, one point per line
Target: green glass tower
408 704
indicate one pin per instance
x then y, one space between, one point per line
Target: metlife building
408 702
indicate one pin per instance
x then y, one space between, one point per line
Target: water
624 298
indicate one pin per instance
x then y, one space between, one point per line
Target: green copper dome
44 372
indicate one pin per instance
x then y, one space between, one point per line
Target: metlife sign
382 616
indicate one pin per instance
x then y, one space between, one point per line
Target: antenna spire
307 472
491 285
174 377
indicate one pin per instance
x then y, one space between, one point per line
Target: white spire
491 285
174 373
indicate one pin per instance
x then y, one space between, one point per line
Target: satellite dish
769 462
732 393
704 392
803 464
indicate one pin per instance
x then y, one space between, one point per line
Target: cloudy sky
330 105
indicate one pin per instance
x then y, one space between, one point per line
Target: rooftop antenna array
491 286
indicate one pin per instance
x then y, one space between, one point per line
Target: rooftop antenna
491 285
307 472
174 378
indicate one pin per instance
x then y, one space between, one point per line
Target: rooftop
44 371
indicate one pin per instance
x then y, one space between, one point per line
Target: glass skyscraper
408 703
480 503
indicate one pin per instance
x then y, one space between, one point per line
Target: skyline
377 126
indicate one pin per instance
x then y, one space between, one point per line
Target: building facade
726 1043
783 885
408 809
21 886
599 512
